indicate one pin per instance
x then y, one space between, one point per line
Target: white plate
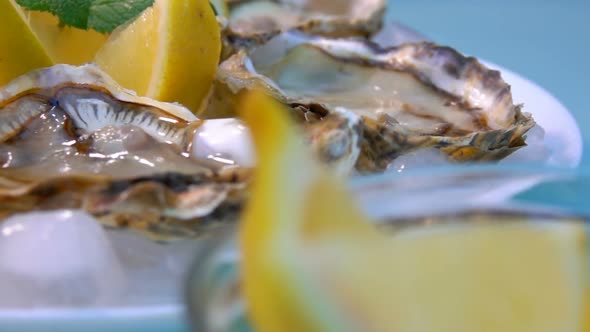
563 138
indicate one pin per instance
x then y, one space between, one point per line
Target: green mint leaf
107 15
72 12
100 15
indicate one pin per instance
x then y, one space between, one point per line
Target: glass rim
220 251
469 169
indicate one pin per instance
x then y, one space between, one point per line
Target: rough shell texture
255 22
91 100
336 141
70 137
328 18
334 138
47 80
409 97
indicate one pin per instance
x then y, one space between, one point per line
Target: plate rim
572 157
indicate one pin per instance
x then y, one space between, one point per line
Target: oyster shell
334 138
329 18
336 141
70 137
253 22
409 97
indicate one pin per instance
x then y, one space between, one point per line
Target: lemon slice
169 53
65 44
513 277
313 262
21 50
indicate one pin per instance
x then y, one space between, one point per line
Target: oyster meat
70 137
417 95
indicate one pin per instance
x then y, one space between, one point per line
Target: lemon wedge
169 53
65 44
313 262
21 50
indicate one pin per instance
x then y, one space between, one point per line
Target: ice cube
227 141
57 259
158 270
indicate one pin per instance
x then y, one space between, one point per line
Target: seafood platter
146 180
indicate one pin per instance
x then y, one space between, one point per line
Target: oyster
336 141
414 96
253 22
70 137
334 138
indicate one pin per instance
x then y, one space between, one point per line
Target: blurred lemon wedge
21 50
65 44
169 53
313 262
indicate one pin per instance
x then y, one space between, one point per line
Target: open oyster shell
409 97
253 22
334 138
70 137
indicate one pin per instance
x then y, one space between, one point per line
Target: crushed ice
67 259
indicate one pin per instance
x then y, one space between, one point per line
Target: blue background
545 41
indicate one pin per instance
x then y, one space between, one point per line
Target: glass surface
487 194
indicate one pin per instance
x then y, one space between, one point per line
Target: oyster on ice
70 137
417 95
